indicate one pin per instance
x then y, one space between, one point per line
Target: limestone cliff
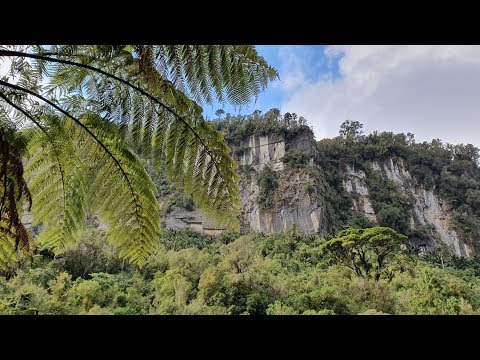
427 211
299 197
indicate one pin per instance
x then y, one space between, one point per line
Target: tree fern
102 101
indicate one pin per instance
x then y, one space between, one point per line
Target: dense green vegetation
452 171
267 184
391 206
253 274
237 129
296 159
365 251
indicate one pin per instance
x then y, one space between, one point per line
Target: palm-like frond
122 197
160 126
112 98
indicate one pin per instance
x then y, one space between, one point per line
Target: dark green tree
351 129
268 184
365 251
219 113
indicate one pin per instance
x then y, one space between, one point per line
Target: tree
268 184
410 138
87 119
219 113
351 129
287 119
365 251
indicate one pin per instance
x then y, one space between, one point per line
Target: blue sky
290 61
431 91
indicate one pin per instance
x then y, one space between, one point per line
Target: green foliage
13 235
185 238
268 184
365 251
92 254
123 197
277 308
296 159
430 291
91 105
358 220
338 203
278 274
351 130
391 207
467 224
237 129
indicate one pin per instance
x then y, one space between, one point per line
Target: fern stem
4 171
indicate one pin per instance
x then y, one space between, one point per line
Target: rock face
293 205
355 185
179 218
299 198
264 150
428 210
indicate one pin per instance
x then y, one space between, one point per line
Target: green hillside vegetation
279 274
237 129
356 268
450 170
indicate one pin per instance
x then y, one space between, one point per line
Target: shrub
268 184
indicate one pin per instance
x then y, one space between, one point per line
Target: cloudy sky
432 91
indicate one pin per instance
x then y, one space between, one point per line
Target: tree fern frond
57 187
132 217
13 235
8 254
144 97
209 139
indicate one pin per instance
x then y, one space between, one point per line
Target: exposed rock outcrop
299 198
356 185
428 210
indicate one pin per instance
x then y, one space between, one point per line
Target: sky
432 91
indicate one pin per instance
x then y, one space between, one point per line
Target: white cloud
294 75
432 91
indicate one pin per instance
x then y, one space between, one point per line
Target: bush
184 238
92 254
296 159
268 184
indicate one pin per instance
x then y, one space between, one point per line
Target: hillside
427 191
300 198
